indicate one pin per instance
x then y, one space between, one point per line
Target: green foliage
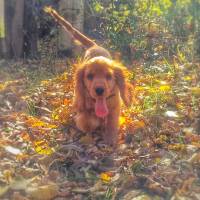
151 29
31 108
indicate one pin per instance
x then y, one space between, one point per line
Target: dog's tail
75 33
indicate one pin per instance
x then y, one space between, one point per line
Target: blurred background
136 30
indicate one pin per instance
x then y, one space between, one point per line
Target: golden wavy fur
100 83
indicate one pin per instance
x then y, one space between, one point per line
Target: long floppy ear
125 88
79 98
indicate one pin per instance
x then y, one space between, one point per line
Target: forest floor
43 156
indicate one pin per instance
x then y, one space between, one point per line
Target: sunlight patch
170 113
12 150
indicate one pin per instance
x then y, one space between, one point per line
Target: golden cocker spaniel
99 84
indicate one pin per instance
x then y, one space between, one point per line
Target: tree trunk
17 33
73 11
2 29
30 29
11 28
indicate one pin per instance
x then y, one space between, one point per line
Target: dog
100 84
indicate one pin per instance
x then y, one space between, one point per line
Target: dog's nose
99 91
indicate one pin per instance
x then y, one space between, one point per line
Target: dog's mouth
101 109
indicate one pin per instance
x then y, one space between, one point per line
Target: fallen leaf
177 147
195 158
196 91
45 192
3 190
164 88
186 185
105 177
42 147
18 196
87 139
19 183
12 150
172 114
8 175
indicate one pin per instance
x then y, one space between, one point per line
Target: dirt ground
43 155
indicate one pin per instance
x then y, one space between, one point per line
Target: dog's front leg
111 128
86 121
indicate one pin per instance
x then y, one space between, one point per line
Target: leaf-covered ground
43 155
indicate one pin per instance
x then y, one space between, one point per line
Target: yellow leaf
51 126
140 88
164 88
187 78
2 86
55 116
105 177
157 160
161 139
196 91
139 124
122 120
180 106
42 147
177 147
8 175
34 122
45 82
38 124
43 150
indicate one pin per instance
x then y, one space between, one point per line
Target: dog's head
99 77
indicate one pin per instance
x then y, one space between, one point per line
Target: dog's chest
90 103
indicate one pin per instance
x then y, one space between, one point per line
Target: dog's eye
90 76
108 76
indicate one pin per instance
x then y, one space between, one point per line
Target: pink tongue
101 109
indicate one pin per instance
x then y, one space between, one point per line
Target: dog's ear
125 88
79 98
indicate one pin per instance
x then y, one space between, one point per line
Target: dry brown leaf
18 196
195 158
186 186
45 192
87 139
3 190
